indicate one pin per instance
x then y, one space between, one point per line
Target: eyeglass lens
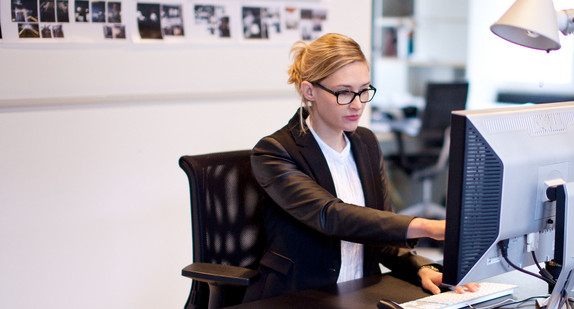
347 97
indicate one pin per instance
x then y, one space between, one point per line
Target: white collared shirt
349 189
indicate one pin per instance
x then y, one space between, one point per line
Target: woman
329 218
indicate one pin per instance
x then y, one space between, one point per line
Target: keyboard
452 300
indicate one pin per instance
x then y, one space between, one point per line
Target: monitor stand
564 248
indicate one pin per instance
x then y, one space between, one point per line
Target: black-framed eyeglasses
346 97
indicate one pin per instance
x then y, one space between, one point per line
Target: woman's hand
420 227
431 280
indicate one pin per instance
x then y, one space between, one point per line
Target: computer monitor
501 162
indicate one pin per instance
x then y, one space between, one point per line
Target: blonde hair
320 58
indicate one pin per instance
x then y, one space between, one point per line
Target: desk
366 292
360 293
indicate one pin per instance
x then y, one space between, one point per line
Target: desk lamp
534 24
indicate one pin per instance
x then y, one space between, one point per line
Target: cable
522 301
564 300
503 246
536 261
505 302
543 272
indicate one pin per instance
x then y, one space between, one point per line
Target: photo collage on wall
184 21
232 21
40 19
65 20
106 13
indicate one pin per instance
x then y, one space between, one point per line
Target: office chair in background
226 227
428 157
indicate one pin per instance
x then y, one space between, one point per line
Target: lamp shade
530 23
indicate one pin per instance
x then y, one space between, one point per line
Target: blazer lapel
318 168
311 153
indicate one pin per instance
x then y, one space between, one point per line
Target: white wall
94 210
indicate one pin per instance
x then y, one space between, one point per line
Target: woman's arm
420 227
286 180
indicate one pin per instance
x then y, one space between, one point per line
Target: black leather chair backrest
441 99
226 213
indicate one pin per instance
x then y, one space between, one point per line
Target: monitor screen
501 162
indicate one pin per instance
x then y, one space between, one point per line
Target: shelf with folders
395 37
415 42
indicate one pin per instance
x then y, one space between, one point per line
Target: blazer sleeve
400 260
289 184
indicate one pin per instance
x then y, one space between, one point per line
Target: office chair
226 227
429 156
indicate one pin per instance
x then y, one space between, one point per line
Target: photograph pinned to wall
214 22
25 15
313 23
98 11
81 11
114 31
24 11
160 22
62 11
304 22
114 12
48 11
292 21
261 22
149 24
172 20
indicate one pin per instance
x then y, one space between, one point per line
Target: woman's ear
308 91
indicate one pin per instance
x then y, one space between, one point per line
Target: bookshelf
414 42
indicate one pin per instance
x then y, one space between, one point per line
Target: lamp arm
566 21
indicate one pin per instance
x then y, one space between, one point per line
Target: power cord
503 246
521 302
544 274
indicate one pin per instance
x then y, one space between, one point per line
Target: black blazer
305 221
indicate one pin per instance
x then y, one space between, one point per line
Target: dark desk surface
366 292
360 293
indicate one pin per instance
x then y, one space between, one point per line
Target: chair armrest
220 274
